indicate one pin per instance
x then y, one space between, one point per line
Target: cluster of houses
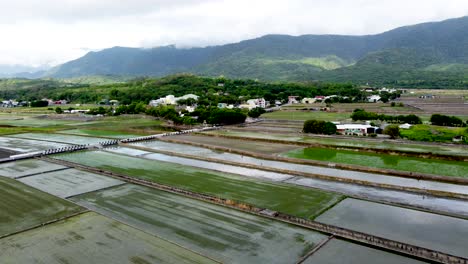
172 100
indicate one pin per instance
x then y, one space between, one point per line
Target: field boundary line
39 173
315 249
46 223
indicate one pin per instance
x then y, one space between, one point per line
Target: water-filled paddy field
342 252
22 168
438 232
253 146
28 145
70 182
225 234
91 238
299 201
385 161
99 133
22 207
359 142
318 170
68 139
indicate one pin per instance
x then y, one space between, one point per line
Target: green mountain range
430 54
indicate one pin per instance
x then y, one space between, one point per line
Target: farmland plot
442 233
68 139
343 252
91 238
225 234
22 207
27 167
299 201
71 182
28 145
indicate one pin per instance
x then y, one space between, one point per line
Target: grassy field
443 233
225 234
351 142
91 238
23 207
26 167
434 133
302 202
385 161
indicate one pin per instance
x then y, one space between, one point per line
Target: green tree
392 130
58 110
256 112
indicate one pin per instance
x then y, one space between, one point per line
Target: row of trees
443 120
362 115
319 127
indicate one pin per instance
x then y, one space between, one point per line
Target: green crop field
23 207
225 234
91 238
385 161
300 201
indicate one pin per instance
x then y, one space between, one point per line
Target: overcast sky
35 32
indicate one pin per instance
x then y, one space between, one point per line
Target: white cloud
53 31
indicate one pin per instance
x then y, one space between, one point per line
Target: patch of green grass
22 207
434 133
299 201
384 161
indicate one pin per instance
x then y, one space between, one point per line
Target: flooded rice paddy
28 145
342 252
70 182
331 172
386 161
155 171
225 234
67 139
91 238
99 133
438 232
292 199
22 168
22 207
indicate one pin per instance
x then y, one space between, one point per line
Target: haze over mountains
423 51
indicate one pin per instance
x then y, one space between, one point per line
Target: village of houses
319 101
